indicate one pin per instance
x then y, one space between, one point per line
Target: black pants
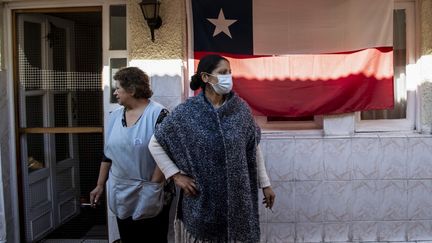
151 230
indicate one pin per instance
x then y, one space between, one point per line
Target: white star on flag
222 24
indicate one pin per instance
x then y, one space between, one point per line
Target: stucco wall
170 38
163 59
425 92
426 27
425 65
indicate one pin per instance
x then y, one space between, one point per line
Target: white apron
129 190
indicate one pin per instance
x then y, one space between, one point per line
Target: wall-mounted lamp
150 10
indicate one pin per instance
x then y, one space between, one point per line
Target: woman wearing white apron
135 185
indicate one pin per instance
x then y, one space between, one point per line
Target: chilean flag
299 58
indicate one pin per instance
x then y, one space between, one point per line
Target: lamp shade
150 9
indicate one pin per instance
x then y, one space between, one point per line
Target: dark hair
134 80
207 64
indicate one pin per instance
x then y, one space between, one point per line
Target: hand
95 195
269 197
186 183
157 176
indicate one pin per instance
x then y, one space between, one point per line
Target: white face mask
224 84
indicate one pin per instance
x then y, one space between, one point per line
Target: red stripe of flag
304 85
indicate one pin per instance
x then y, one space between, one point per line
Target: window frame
408 123
109 54
311 126
350 123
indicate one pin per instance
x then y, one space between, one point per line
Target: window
289 123
118 27
402 117
115 65
117 52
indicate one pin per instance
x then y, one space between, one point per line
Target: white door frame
9 7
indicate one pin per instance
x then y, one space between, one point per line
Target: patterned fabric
183 236
217 147
169 187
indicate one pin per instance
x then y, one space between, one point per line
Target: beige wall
424 62
426 27
170 38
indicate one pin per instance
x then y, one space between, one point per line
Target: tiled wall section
360 188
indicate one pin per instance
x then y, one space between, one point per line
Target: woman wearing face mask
209 146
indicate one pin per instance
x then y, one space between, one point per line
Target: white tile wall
366 188
394 158
308 201
166 85
165 78
283 210
419 230
366 200
419 199
264 232
419 154
280 232
366 158
364 230
337 201
337 163
354 189
170 102
2 220
308 159
392 231
309 232
393 200
336 232
280 159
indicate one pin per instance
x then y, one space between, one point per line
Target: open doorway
58 80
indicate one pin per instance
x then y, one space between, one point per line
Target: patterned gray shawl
217 147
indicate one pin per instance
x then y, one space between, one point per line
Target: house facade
342 178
